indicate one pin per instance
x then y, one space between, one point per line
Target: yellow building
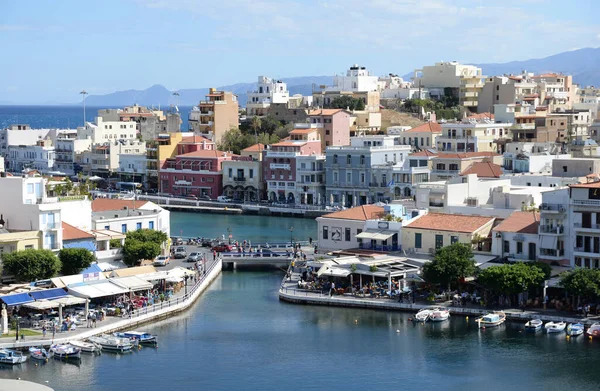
436 230
216 115
20 240
473 135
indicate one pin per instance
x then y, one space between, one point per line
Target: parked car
180 253
191 197
161 260
204 198
194 257
223 199
222 248
280 204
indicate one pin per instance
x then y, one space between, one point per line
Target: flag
391 183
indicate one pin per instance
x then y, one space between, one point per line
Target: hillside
394 118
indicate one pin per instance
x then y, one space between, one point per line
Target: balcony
548 229
520 257
586 252
551 254
280 166
239 179
436 204
580 227
593 203
557 208
51 246
282 154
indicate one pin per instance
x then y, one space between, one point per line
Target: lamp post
291 238
17 331
186 280
229 234
84 93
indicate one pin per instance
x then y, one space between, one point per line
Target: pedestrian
94 320
44 331
214 255
310 241
89 320
585 311
332 289
53 331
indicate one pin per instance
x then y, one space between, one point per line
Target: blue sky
53 49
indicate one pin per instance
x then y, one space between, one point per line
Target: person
310 241
94 320
214 255
89 320
332 289
44 331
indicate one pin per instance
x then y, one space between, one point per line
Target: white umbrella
355 199
343 199
331 199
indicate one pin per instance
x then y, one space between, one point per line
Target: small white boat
139 336
492 319
575 329
11 357
113 344
533 325
423 314
65 352
439 315
594 330
86 347
39 353
555 327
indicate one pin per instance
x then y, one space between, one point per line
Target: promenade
289 292
179 302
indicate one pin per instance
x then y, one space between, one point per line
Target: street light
17 331
291 239
84 93
186 279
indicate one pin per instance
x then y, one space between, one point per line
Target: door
439 241
586 220
532 250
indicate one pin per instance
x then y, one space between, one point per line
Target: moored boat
86 347
555 327
594 330
65 352
533 325
140 336
111 343
439 315
423 314
492 319
39 353
575 329
12 357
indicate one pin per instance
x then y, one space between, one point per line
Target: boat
423 314
12 357
575 329
555 327
492 319
594 330
534 325
65 352
111 343
39 353
439 315
86 347
140 336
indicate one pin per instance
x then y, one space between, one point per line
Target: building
18 240
575 167
129 215
360 174
242 180
133 167
198 173
74 237
288 113
471 85
68 153
149 122
433 231
17 135
584 218
215 116
394 87
420 137
335 126
40 157
483 170
268 91
516 238
338 230
310 179
447 165
473 135
103 159
107 131
577 124
554 243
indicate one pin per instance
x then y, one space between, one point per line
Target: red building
198 173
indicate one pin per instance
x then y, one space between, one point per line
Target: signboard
91 276
383 225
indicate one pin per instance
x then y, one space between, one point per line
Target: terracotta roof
521 222
483 170
426 152
432 127
207 153
289 143
465 155
324 112
194 139
481 116
104 204
450 222
359 213
547 75
304 131
73 233
255 148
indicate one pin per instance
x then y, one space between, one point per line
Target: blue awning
94 268
18 299
54 293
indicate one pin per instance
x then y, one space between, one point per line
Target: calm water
239 336
62 117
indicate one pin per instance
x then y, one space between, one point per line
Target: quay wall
142 316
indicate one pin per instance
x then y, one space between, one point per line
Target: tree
450 264
68 186
511 279
31 265
347 102
256 125
582 282
544 267
147 235
74 260
233 140
142 244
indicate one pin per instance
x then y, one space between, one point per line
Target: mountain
160 95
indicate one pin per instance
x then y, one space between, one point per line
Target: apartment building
577 123
242 180
422 136
310 179
133 167
40 157
103 158
68 154
115 215
22 134
394 87
215 115
446 165
575 167
339 230
335 129
555 243
268 91
584 220
150 123
473 135
107 131
516 237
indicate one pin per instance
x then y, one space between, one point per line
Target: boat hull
533 329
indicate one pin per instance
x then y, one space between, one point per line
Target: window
349 159
362 177
439 241
335 160
413 163
564 168
362 159
151 224
106 227
335 177
123 228
230 172
506 246
138 225
519 247
30 188
440 166
385 157
348 177
418 239
453 239
347 234
251 173
325 232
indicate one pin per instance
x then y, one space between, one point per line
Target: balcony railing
239 179
588 250
587 226
552 230
437 204
586 202
552 207
551 253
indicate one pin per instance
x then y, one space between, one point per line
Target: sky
51 50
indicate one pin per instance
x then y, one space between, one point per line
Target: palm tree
256 125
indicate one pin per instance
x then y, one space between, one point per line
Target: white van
223 199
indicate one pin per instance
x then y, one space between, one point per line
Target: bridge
270 258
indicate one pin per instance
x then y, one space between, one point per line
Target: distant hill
159 95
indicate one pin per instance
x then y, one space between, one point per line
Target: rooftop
303 131
104 204
520 222
591 185
194 139
483 170
450 222
117 214
481 116
73 233
324 111
255 148
465 155
426 152
206 154
432 127
359 213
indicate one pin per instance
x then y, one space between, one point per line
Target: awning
47 304
48 294
132 283
327 270
18 299
154 276
96 289
376 235
180 272
549 242
133 271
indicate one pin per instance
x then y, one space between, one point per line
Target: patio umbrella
331 199
343 199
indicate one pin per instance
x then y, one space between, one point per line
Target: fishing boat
555 327
65 352
534 325
140 336
575 329
492 319
113 344
423 315
439 315
86 347
594 330
39 353
11 357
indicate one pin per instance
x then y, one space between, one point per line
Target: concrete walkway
177 303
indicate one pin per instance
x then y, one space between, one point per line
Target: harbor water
239 336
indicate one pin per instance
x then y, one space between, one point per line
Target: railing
551 229
586 250
551 253
587 226
552 207
281 255
586 202
379 247
239 179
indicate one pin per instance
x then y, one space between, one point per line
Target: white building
37 157
310 179
394 87
473 135
516 238
129 215
106 131
16 135
555 242
104 158
357 79
338 230
133 167
68 154
268 91
444 74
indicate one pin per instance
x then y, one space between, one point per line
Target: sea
239 336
